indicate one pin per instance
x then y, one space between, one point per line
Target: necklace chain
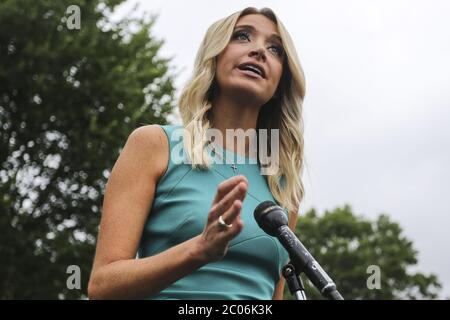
233 166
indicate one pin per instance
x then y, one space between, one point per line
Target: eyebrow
252 28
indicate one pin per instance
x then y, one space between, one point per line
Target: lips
250 74
251 67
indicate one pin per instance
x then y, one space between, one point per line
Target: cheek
277 75
220 70
223 64
279 71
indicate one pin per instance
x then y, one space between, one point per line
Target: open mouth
252 70
251 74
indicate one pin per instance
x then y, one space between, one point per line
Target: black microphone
271 218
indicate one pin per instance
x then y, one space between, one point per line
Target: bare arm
279 289
116 274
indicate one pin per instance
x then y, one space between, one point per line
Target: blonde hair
283 112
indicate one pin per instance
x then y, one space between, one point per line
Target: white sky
377 104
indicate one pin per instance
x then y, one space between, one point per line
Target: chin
248 93
246 88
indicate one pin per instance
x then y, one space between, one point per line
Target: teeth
252 68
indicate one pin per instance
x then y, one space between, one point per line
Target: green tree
68 100
345 245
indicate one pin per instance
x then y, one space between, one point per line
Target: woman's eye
277 49
241 35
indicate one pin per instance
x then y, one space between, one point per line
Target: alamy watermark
374 280
74 280
73 21
266 151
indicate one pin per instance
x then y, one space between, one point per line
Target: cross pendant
233 166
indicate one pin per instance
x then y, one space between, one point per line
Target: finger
231 214
237 223
238 193
226 186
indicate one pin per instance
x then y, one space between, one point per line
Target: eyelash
238 34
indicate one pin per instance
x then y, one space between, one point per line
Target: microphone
271 218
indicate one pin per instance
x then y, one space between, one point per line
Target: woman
192 223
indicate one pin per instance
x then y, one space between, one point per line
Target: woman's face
251 65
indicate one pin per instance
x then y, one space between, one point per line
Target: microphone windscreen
270 217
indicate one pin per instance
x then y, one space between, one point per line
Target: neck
233 114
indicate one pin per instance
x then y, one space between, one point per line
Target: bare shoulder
150 135
149 146
129 194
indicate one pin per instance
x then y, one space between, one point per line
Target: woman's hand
213 242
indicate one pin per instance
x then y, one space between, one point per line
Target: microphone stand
297 288
294 282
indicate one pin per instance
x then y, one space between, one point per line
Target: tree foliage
68 101
345 245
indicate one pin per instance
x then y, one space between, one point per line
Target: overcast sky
377 106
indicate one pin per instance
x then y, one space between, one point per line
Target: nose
259 53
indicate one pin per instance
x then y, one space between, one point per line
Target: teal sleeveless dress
183 197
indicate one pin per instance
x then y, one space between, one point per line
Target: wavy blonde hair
283 112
